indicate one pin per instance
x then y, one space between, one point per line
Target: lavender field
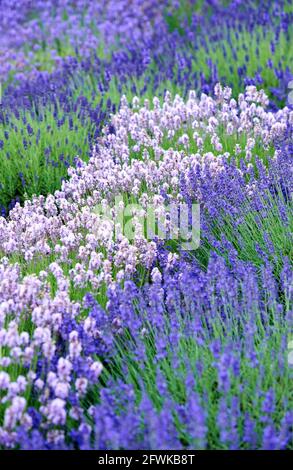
146 224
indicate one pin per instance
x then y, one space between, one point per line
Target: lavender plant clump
111 341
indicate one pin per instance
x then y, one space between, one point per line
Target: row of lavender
108 342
